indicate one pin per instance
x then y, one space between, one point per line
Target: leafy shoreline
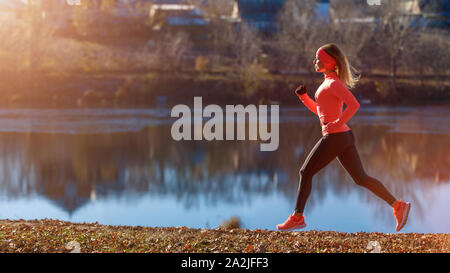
53 236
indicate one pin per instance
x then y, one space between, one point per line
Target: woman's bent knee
304 173
361 180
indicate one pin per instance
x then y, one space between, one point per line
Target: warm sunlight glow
219 122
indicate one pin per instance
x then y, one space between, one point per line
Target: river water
122 167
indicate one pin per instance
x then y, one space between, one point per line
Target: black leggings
342 145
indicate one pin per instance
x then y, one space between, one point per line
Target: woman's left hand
332 125
301 89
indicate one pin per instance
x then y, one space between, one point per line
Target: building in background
323 10
353 11
263 14
423 13
260 14
435 14
174 18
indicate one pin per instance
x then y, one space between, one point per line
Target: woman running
337 138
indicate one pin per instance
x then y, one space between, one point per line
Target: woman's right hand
301 89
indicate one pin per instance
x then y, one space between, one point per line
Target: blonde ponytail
343 67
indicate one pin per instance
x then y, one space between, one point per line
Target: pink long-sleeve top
330 97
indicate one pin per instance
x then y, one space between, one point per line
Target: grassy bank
54 236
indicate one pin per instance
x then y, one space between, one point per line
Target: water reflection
74 168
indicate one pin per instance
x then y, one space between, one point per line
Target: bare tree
395 35
171 50
222 35
108 6
422 57
246 49
429 56
35 25
13 47
300 35
353 27
246 46
83 16
36 35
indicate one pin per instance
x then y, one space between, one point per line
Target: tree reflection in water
72 169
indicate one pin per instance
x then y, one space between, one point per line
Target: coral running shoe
401 211
293 222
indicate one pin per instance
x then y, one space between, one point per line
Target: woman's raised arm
307 101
